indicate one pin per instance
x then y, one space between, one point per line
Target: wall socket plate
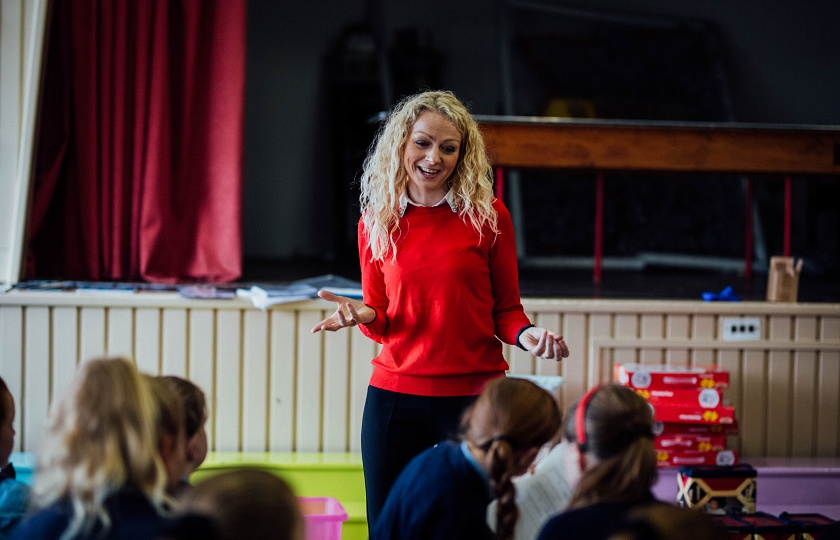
740 328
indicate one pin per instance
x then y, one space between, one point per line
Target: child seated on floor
195 416
610 461
171 434
668 522
14 495
99 474
541 492
444 491
245 504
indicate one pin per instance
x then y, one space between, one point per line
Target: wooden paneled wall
274 386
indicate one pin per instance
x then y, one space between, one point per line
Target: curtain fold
138 172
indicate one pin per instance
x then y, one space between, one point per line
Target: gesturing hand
540 342
348 312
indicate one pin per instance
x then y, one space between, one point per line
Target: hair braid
508 423
501 479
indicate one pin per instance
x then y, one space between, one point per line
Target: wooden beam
559 143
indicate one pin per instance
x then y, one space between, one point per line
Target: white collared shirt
448 199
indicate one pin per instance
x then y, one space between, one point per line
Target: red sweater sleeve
508 313
373 289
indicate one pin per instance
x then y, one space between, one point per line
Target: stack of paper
262 297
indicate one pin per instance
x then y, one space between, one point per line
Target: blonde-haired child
99 474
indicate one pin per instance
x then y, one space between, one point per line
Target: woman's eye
421 143
450 149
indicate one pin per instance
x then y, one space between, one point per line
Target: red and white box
678 442
707 398
675 428
665 458
663 377
693 414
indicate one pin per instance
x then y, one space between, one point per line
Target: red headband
580 417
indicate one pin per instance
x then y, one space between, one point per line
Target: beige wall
274 386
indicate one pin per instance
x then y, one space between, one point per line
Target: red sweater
442 304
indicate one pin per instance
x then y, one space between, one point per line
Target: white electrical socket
740 328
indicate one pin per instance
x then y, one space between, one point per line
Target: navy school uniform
442 493
133 517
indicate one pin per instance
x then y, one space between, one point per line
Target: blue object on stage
726 295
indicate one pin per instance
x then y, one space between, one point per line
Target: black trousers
395 428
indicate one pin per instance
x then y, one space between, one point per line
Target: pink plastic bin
323 517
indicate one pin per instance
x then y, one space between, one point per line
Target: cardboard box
735 528
696 458
729 490
680 442
783 279
769 527
678 428
811 526
662 377
693 414
706 398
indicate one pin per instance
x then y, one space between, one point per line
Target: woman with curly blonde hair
99 474
440 284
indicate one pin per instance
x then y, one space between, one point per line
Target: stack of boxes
688 407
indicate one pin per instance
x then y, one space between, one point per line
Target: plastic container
323 517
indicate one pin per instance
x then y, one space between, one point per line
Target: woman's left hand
540 342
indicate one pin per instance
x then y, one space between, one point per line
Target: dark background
318 72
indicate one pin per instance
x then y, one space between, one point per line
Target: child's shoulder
13 494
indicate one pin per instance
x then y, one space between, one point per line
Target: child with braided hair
444 491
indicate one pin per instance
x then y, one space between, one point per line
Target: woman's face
430 156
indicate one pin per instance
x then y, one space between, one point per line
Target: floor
651 283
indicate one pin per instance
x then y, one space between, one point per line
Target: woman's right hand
348 312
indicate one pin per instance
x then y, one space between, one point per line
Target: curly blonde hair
101 437
384 179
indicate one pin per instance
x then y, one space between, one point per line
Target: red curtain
138 168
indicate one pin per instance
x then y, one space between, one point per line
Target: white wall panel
228 384
255 377
273 385
173 359
34 401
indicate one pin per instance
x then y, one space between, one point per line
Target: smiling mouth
428 172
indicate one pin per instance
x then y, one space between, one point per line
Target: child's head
610 436
195 416
171 438
7 419
247 504
668 522
101 436
508 424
